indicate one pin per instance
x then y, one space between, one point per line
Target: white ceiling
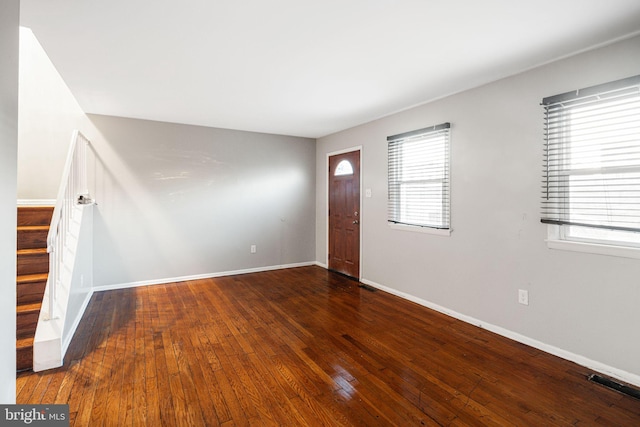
303 67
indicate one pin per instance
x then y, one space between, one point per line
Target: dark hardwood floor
305 347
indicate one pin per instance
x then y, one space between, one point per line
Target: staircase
32 272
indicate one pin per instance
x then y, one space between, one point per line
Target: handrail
72 185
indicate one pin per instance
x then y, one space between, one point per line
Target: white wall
9 21
177 201
579 303
48 115
173 200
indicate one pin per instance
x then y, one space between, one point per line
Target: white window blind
591 172
419 177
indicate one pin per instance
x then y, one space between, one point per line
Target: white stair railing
73 190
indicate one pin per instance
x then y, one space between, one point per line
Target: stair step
32 261
24 354
27 319
27 325
32 278
24 342
34 215
30 288
28 308
32 236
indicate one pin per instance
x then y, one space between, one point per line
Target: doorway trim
326 199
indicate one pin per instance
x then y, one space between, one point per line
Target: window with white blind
591 172
419 178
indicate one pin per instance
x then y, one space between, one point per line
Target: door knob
355 221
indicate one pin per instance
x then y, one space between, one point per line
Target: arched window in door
343 168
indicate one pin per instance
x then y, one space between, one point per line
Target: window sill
594 248
418 229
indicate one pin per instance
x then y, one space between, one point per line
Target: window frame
395 181
563 233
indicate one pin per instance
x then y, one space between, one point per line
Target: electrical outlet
254 249
523 297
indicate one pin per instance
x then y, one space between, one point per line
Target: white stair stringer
53 336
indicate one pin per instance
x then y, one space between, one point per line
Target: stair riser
34 215
26 324
32 239
24 358
33 263
31 292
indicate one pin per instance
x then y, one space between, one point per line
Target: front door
344 213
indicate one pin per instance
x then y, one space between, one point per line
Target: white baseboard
198 276
625 376
36 202
564 354
319 264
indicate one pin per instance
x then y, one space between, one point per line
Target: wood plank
305 347
165 404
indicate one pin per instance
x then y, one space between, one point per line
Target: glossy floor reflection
305 346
